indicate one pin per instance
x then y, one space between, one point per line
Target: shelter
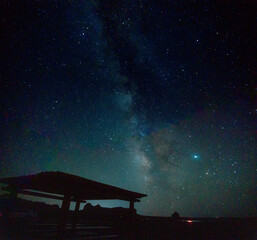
67 187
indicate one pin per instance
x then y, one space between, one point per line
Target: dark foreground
198 229
145 228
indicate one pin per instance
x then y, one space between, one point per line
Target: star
195 156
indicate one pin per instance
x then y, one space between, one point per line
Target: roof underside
62 183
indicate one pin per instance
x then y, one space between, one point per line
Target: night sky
157 97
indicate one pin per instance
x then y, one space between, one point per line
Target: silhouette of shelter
67 187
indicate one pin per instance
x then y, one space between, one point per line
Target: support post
63 217
13 194
13 201
75 217
131 205
132 220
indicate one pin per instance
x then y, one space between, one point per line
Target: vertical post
131 206
13 194
63 216
75 217
13 200
132 220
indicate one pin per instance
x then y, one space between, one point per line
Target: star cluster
153 96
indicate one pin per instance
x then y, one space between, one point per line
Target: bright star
195 156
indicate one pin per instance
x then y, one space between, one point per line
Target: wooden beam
45 195
38 194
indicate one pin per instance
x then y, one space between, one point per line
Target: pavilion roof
61 183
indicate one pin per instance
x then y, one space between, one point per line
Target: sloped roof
63 183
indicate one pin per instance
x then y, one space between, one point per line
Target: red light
1 214
189 221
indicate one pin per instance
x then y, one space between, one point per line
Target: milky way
152 96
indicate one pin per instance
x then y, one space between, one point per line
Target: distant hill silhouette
90 209
45 211
101 212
